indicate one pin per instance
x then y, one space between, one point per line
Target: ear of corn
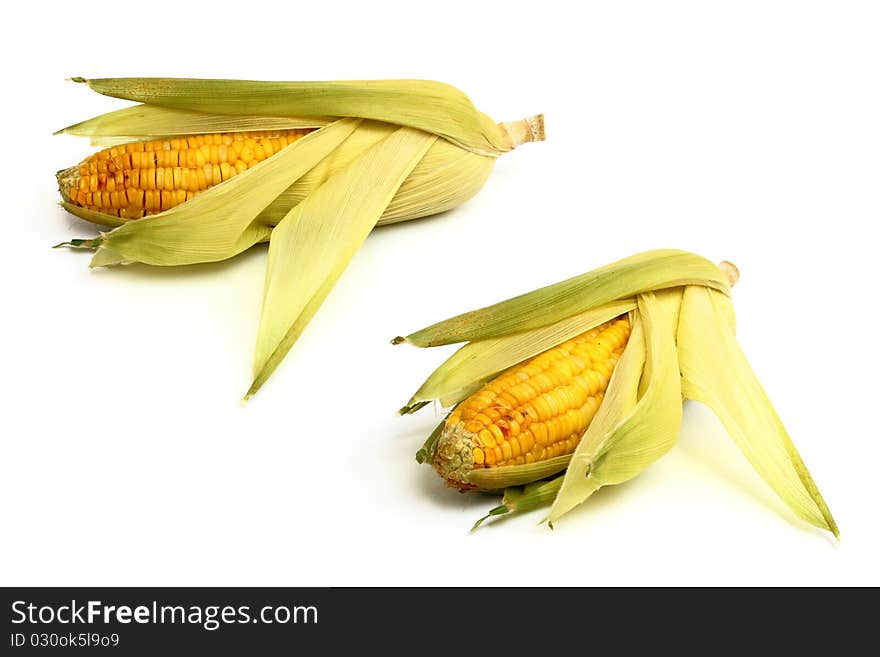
644 272
313 244
531 414
715 371
207 211
444 178
424 104
682 344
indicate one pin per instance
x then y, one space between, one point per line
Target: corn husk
142 122
317 199
714 370
644 272
682 345
518 499
430 106
333 221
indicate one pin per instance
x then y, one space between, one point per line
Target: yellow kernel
496 432
540 433
135 198
506 451
483 418
473 426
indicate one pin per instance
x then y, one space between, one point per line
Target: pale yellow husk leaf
643 272
150 122
445 178
515 475
431 106
715 371
313 244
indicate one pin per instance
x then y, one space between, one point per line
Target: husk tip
832 527
256 384
398 340
412 406
497 511
78 243
730 271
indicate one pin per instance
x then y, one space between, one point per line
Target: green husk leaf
431 106
649 271
515 475
151 122
100 218
470 367
631 432
715 371
313 244
219 223
519 499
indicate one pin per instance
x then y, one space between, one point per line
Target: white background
747 131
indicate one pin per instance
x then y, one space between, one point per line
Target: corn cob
147 177
534 412
216 166
555 425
